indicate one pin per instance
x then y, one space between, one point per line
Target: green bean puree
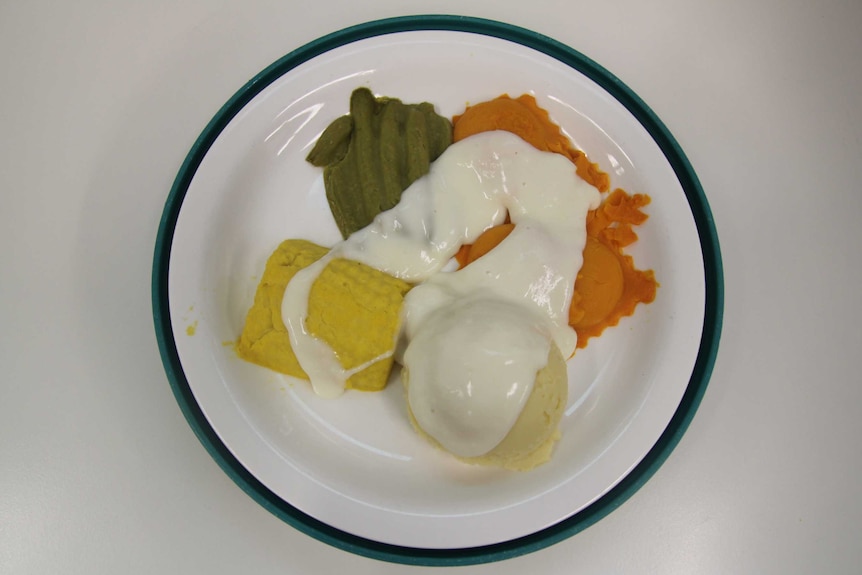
374 153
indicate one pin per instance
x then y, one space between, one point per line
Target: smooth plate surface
351 471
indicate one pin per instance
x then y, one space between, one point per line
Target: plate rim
624 489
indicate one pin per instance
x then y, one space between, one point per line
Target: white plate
354 463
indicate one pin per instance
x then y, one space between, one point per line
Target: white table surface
100 101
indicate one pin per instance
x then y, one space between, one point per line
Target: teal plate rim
713 307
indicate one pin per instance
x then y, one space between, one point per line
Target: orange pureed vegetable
608 286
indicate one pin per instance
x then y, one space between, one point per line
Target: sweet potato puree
608 286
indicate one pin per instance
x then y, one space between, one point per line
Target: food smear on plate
608 286
374 153
351 307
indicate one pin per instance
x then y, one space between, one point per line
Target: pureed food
478 355
608 285
374 153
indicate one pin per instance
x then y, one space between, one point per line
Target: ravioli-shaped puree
608 286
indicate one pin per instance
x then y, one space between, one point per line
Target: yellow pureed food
518 428
352 307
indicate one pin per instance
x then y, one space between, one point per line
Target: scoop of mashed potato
530 441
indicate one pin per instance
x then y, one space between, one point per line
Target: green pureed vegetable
374 153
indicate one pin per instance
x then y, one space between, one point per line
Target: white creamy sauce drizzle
470 369
471 187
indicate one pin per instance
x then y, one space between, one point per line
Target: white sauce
471 187
471 368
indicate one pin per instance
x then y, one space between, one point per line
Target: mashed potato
530 442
